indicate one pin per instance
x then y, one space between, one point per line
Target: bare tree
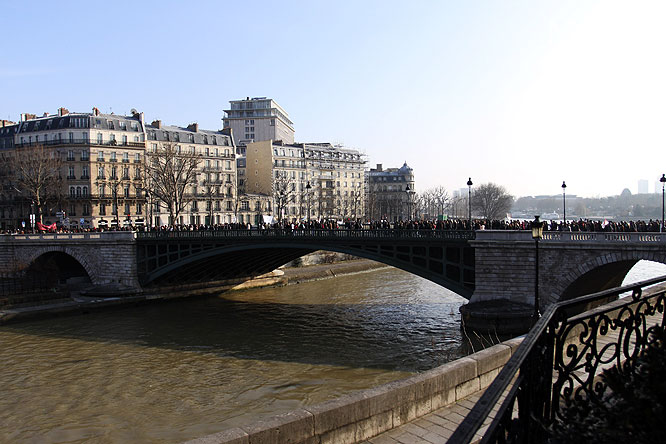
284 192
35 174
440 198
491 201
170 174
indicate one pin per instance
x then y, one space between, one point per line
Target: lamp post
469 201
537 234
564 202
307 191
663 183
409 209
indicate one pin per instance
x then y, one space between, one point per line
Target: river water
169 372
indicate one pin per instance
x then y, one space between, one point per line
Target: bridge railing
560 360
93 235
310 234
572 236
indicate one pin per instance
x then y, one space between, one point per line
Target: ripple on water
173 371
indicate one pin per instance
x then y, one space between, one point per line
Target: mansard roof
169 133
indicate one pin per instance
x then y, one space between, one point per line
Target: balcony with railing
81 141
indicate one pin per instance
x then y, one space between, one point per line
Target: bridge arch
260 258
56 269
70 257
606 269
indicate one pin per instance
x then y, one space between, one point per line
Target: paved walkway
438 426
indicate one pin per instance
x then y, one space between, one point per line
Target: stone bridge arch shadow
57 268
597 274
454 270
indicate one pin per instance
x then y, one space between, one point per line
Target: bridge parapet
106 235
580 237
313 234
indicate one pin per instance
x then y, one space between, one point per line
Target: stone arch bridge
481 266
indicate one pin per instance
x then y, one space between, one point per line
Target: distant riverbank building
391 193
102 180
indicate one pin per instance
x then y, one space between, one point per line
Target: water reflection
168 372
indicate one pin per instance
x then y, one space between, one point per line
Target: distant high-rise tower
642 186
257 119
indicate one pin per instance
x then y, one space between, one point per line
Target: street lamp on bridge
409 202
564 202
307 192
663 183
537 234
469 201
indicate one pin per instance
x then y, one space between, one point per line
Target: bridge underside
602 278
228 265
177 260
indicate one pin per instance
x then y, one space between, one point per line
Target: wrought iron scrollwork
561 360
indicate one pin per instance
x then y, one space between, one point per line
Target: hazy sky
525 94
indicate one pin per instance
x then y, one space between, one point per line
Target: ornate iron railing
560 359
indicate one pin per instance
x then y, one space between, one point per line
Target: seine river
169 372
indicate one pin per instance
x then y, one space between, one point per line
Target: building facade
212 197
102 158
102 178
258 119
391 193
306 180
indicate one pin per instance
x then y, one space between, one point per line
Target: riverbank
82 304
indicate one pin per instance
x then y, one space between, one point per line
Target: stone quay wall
359 416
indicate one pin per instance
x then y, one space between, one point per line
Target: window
113 156
114 173
85 191
245 205
85 155
124 140
99 138
100 172
137 158
70 155
71 173
102 209
86 209
72 192
85 174
71 137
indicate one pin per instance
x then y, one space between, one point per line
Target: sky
523 94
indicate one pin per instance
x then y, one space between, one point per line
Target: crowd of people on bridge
445 224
